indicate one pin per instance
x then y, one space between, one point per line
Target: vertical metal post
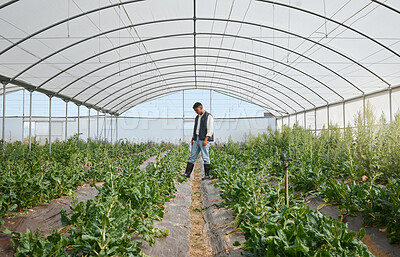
282 124
289 120
105 127
296 118
3 131
66 120
116 128
315 120
183 115
111 129
97 125
390 105
50 123
344 116
364 116
210 102
285 170
327 116
89 125
23 114
79 119
305 120
30 120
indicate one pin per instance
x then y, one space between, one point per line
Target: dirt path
199 246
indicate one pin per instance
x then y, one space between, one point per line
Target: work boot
206 171
189 168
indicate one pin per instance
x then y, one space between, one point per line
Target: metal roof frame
183 71
191 86
210 34
188 56
14 80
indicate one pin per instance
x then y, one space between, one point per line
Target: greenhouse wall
384 104
134 129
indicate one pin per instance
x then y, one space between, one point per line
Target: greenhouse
200 128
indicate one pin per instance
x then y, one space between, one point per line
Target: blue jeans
196 149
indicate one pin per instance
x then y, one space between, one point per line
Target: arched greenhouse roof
285 56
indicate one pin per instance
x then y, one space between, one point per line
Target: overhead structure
285 56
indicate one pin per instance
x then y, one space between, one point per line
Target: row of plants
358 169
31 177
124 210
272 229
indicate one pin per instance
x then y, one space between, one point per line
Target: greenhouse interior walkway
304 97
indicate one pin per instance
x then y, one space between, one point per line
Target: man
203 132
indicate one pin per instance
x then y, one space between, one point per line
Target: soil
199 246
372 247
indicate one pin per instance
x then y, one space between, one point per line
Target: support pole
210 102
296 118
111 130
97 126
116 128
285 170
30 120
66 120
305 120
390 105
315 120
3 131
89 125
364 114
50 124
183 115
327 116
79 119
23 114
282 123
344 116
105 127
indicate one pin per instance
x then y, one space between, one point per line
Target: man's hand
205 141
191 141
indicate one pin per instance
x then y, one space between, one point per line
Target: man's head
198 108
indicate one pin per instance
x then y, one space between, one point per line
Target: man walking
203 132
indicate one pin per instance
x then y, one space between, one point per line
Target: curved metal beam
183 71
206 48
204 19
188 34
205 77
66 20
188 56
333 21
134 1
207 65
192 86
304 38
386 6
8 3
94 37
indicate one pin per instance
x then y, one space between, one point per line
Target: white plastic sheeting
286 56
134 129
384 104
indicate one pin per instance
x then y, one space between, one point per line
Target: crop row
36 176
272 229
125 208
359 170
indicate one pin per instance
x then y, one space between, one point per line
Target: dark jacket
203 127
